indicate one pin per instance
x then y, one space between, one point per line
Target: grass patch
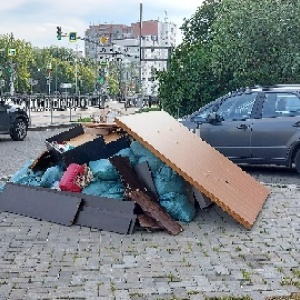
147 109
82 120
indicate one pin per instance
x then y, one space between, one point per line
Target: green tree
188 83
198 27
257 42
19 61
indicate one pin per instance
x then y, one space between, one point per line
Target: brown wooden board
156 212
109 220
222 181
39 204
148 223
81 139
136 192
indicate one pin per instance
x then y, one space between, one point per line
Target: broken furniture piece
210 172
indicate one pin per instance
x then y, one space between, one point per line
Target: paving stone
207 258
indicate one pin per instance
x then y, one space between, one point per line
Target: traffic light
101 77
58 33
73 36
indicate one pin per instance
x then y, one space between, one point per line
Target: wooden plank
137 192
148 223
222 181
156 212
39 204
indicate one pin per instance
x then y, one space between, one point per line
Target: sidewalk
47 119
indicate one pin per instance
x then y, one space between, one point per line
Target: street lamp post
140 46
49 69
126 63
76 71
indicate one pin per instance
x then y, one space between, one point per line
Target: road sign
66 85
104 63
12 52
103 39
73 36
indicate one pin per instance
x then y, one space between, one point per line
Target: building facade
103 41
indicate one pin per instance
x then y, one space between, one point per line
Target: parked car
258 125
13 121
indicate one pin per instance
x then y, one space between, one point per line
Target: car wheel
19 130
297 161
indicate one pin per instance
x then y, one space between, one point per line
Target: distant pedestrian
150 101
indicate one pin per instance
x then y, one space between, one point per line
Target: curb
52 126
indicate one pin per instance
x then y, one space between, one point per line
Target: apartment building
125 40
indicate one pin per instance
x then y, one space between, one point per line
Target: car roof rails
280 87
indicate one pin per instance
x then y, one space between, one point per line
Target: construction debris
143 171
40 204
137 192
222 181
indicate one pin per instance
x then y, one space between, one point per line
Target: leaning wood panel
235 191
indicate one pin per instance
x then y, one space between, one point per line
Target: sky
35 21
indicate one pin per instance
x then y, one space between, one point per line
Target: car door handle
297 124
242 126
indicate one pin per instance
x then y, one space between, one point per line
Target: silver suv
255 126
13 121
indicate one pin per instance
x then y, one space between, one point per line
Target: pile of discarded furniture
144 171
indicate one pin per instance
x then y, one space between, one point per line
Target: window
203 113
280 104
237 107
287 103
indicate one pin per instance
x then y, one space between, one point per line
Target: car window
280 104
237 107
203 114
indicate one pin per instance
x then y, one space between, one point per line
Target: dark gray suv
13 121
254 126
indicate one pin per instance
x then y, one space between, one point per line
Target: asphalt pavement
213 257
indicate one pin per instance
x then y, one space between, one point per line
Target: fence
57 103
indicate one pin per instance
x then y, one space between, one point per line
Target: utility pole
49 69
56 75
12 78
76 71
140 45
12 69
96 67
1 82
